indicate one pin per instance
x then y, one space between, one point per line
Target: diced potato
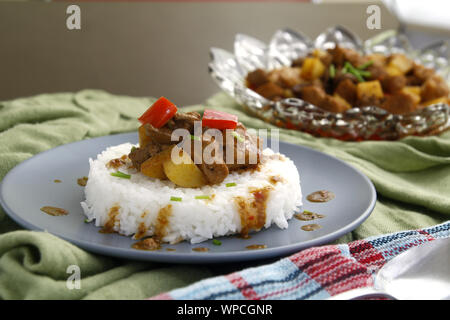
342 101
399 103
290 76
369 89
184 174
312 69
153 167
144 139
414 91
378 58
438 100
401 62
433 88
393 71
317 53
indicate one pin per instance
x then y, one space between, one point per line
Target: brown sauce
253 211
54 211
200 249
170 249
321 196
142 230
256 246
117 163
149 244
82 181
244 236
109 225
57 181
308 216
311 227
162 221
275 179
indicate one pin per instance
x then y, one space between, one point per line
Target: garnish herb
352 70
203 197
238 136
365 73
366 65
230 184
133 149
332 71
122 175
176 199
216 242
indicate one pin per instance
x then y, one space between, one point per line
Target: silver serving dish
367 123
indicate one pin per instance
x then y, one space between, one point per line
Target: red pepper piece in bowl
159 113
219 120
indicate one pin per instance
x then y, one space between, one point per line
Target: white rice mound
191 219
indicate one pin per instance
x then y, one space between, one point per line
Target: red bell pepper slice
219 120
159 113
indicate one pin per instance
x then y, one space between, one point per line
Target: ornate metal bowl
366 123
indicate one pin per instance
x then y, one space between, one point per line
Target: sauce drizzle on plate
82 181
321 196
54 211
308 216
256 246
148 244
311 227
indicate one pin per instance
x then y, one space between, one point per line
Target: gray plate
30 186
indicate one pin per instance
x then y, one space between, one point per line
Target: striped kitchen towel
314 273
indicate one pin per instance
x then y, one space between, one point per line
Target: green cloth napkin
412 178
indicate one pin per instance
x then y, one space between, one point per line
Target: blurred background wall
146 49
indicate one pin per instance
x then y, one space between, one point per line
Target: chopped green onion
238 136
344 69
119 174
351 69
195 138
176 199
203 197
86 221
216 242
359 77
133 149
231 184
332 71
365 73
366 65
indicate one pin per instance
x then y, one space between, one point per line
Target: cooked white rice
140 199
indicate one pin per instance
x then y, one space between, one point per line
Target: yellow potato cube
401 62
369 89
438 100
183 171
378 58
312 69
317 53
153 167
393 71
144 139
342 100
414 91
